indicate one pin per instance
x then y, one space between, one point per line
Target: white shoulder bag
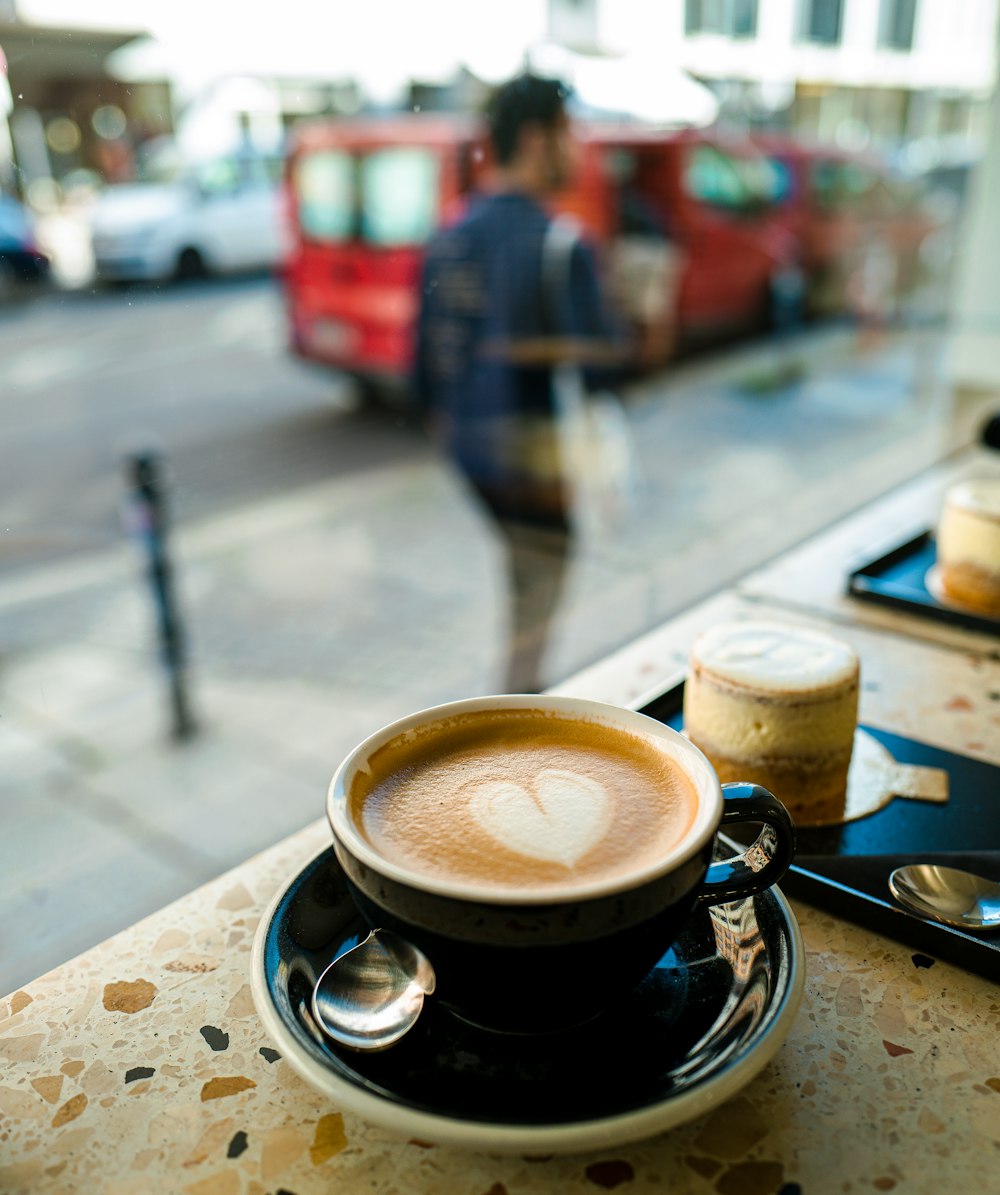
595 438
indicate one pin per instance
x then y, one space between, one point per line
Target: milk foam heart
563 816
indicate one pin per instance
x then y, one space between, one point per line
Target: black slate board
898 579
845 869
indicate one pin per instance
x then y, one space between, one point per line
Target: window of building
821 21
734 18
895 24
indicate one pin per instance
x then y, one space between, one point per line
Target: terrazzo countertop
141 1066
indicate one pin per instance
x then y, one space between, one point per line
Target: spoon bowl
373 994
946 894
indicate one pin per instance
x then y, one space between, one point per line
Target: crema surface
523 799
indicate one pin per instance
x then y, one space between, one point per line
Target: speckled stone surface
142 1067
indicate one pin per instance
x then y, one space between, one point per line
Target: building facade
860 72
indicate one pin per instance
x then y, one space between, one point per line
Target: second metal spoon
370 996
949 895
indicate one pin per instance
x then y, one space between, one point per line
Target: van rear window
399 196
324 184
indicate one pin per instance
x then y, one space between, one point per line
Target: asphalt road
199 372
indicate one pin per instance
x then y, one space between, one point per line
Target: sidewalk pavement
319 616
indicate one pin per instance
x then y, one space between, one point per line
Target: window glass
783 220
767 180
821 21
324 186
735 18
219 177
744 18
736 182
714 178
262 171
896 21
14 225
841 184
779 180
399 196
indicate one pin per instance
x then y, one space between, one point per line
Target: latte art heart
561 818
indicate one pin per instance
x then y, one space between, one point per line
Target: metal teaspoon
372 995
947 894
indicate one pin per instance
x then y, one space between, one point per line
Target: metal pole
148 520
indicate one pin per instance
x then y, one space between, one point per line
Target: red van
714 197
365 195
859 227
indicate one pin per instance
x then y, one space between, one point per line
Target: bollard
148 522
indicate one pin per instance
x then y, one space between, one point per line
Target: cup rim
703 775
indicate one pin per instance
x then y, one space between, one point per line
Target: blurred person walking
512 313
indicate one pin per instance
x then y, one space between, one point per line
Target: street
198 371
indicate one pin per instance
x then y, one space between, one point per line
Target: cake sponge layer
811 791
969 530
752 726
968 544
776 705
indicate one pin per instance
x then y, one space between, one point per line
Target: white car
221 216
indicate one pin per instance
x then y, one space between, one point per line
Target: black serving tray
845 869
898 579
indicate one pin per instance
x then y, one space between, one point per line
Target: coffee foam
979 496
514 798
775 657
558 817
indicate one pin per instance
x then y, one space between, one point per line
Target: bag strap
561 238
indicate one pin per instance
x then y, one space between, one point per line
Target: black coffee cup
535 962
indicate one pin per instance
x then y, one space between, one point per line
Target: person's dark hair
526 99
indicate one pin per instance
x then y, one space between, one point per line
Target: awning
38 55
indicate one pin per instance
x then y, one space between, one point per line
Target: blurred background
228 551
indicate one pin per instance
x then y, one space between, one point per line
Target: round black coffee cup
523 961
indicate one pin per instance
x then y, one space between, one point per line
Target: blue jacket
483 288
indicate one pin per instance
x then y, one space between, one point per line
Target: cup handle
763 863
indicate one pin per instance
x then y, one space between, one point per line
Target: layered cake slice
776 705
968 545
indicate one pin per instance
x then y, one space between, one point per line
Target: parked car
220 216
22 263
710 193
859 225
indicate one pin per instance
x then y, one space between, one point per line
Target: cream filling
775 658
969 537
980 496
